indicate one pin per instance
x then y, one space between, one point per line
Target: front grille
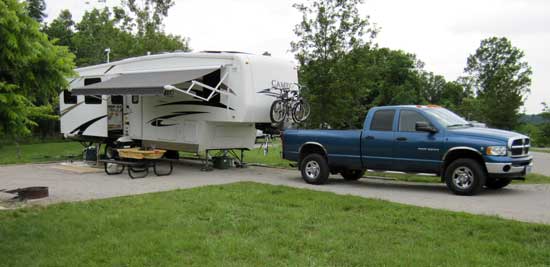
519 147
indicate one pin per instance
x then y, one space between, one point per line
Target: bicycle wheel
278 111
300 110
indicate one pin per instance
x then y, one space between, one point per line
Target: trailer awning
143 83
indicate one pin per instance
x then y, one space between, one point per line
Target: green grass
248 224
40 152
539 149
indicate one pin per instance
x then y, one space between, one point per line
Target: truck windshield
447 118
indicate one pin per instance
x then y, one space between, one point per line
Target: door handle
369 137
401 139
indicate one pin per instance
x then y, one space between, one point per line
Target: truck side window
68 98
408 120
382 120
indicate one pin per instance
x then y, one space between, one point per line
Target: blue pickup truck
413 139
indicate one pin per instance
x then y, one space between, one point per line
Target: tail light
282 144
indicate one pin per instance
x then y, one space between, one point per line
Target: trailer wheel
314 168
496 183
465 177
352 175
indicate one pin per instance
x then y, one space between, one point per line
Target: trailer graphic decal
65 111
87 124
158 121
197 103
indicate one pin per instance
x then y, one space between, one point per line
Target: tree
328 30
61 29
149 15
36 9
32 70
501 80
545 127
98 30
101 29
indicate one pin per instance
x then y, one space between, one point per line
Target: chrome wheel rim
463 177
312 169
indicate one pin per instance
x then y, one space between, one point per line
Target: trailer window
408 120
382 120
117 100
92 99
69 98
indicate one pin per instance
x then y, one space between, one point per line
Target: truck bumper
512 168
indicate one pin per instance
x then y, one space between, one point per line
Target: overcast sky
441 33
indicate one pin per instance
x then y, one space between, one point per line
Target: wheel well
461 154
311 149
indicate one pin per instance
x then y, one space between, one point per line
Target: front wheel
496 183
352 175
278 111
314 168
300 111
465 177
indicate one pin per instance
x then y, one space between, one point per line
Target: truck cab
414 139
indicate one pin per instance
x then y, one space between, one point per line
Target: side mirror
422 126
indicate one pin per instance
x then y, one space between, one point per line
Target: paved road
541 163
521 202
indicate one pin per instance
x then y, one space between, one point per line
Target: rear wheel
352 175
278 111
314 168
465 177
497 183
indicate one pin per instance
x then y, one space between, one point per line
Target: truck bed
343 147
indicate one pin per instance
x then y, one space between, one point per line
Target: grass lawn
248 224
40 152
539 149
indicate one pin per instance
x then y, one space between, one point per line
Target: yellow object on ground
137 153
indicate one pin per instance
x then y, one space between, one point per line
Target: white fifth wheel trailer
176 101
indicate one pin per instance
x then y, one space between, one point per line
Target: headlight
496 150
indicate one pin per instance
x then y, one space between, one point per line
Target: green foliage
61 29
33 70
148 14
328 30
115 29
501 79
36 9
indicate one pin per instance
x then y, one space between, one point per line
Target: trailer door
135 116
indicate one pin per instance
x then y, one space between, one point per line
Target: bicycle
289 104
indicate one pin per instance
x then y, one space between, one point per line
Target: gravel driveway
521 202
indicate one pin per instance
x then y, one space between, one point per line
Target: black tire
300 111
277 112
314 169
352 175
497 183
465 177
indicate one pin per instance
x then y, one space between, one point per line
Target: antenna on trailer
107 52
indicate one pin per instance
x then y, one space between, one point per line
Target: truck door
377 141
416 151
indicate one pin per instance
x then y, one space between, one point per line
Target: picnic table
138 161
